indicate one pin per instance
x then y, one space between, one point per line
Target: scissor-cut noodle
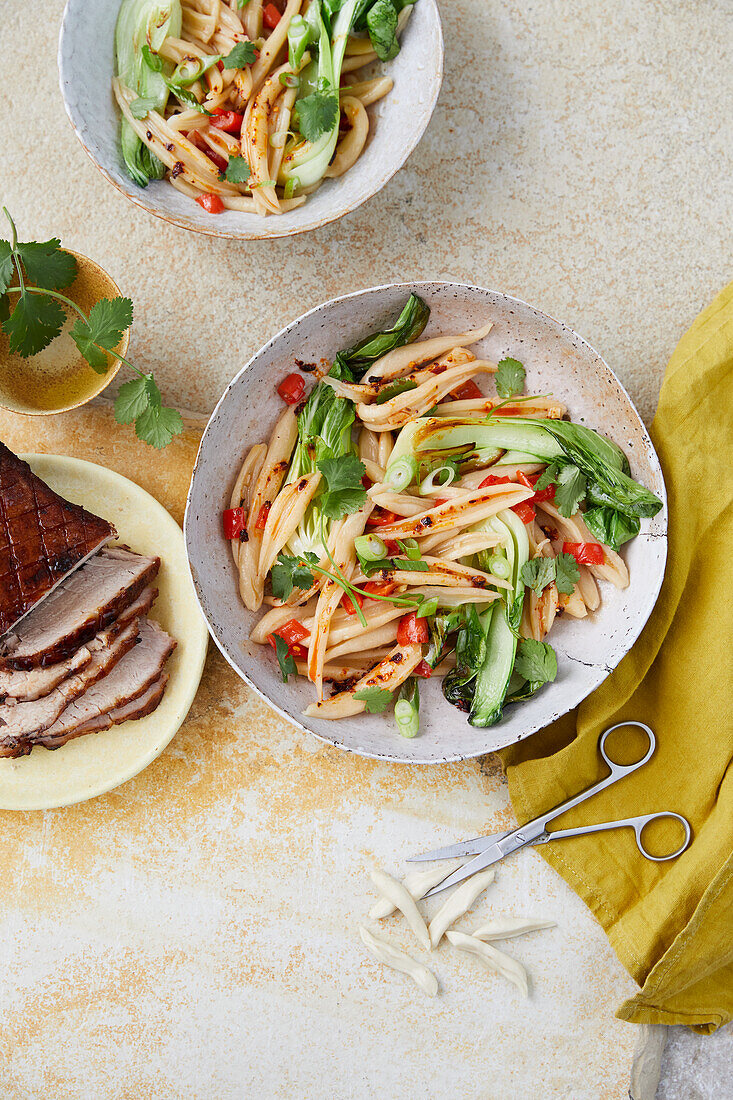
507 928
398 362
458 903
417 884
399 960
493 960
403 900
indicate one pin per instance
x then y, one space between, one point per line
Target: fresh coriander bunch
33 312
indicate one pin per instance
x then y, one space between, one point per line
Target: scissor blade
491 855
472 847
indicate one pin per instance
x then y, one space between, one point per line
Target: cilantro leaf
567 573
394 390
157 425
284 659
548 476
345 493
237 170
536 662
46 264
381 21
7 267
242 54
317 113
132 400
33 324
569 489
375 700
109 318
509 378
289 573
538 573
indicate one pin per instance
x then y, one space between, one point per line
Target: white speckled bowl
557 361
397 122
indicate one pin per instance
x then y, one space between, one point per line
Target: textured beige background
192 934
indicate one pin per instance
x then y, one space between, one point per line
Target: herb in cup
33 313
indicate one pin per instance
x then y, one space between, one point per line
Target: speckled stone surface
193 934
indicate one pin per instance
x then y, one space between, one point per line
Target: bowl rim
255 234
121 350
663 537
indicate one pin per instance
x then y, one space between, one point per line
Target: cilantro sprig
38 271
317 114
563 570
570 486
375 699
509 378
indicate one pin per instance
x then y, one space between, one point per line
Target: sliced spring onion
499 566
410 548
290 187
439 478
427 608
193 68
289 80
403 473
370 547
407 708
298 36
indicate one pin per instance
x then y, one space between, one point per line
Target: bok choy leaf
143 23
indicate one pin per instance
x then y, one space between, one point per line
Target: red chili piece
424 670
468 391
411 630
228 121
270 16
235 521
262 517
585 553
291 389
347 602
211 203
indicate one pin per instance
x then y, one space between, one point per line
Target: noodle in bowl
559 364
253 117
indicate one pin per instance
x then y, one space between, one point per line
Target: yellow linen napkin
671 924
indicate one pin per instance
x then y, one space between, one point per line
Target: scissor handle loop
624 769
640 824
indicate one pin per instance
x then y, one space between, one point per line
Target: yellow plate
98 762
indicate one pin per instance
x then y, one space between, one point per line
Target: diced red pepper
424 670
347 602
380 517
492 479
366 481
585 553
441 500
525 511
235 521
379 588
262 517
524 480
211 203
545 494
271 16
530 480
411 630
468 391
228 121
392 547
220 66
291 389
291 632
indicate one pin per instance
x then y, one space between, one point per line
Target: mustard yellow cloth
671 924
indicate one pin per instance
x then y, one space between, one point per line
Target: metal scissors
490 849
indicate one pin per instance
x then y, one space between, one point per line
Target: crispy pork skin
88 601
43 538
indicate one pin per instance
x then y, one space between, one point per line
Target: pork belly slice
43 538
129 681
87 602
20 721
37 682
128 712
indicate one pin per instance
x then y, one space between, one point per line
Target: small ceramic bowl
59 378
557 361
86 68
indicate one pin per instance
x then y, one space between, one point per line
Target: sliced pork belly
19 722
128 712
37 682
128 681
82 605
43 538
